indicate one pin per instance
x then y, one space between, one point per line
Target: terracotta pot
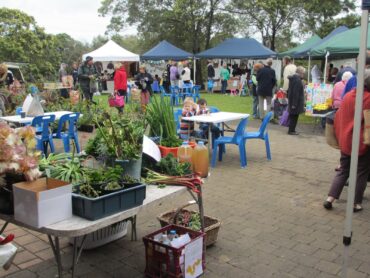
167 150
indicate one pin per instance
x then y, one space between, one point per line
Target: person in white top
185 74
289 69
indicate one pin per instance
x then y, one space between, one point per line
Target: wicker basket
212 225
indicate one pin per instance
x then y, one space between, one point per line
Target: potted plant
160 117
121 139
18 161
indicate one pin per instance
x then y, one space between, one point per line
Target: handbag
331 138
367 127
116 101
284 119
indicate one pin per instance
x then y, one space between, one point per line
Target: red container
163 260
167 150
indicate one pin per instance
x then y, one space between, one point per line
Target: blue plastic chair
69 134
262 134
164 93
237 139
196 92
176 95
187 90
177 114
45 138
155 87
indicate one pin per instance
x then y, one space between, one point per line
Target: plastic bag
116 101
284 120
35 108
27 103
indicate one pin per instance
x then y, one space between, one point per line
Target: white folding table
17 119
216 118
78 228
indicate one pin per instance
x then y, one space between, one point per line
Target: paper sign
150 148
193 259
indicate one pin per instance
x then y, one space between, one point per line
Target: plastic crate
96 208
163 260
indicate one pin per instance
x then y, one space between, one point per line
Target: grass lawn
224 103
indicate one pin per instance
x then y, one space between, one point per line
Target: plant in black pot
18 161
121 138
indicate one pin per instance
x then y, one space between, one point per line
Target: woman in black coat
295 99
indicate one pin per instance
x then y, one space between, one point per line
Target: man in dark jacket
266 79
295 99
86 75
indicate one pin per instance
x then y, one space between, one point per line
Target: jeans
223 86
256 113
342 176
175 82
293 119
261 101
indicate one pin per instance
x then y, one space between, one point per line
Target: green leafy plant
170 166
160 117
122 135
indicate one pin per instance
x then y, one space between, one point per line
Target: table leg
56 250
133 228
4 227
77 251
209 140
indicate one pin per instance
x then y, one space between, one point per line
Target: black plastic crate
96 208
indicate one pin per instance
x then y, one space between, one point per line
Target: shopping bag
27 103
331 138
284 119
35 108
116 101
74 96
367 127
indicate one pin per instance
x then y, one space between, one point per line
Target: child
187 127
203 109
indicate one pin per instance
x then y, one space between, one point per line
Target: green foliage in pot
122 135
160 117
170 166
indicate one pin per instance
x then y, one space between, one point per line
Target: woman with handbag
120 87
343 126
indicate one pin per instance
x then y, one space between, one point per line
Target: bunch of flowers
18 151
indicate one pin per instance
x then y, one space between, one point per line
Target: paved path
273 223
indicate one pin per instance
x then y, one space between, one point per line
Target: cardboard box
42 202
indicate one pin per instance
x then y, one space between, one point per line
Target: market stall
110 53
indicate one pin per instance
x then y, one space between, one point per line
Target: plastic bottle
201 159
172 235
185 153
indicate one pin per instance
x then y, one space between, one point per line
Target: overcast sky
77 18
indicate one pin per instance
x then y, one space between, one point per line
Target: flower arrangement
18 151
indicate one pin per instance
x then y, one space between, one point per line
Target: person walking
210 75
225 76
143 80
86 76
186 73
75 74
295 99
120 83
63 78
289 69
174 75
343 126
266 82
256 68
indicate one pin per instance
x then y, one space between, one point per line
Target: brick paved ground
273 223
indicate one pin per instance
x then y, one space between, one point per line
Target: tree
275 19
22 40
189 24
70 50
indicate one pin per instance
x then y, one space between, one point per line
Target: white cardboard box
42 202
